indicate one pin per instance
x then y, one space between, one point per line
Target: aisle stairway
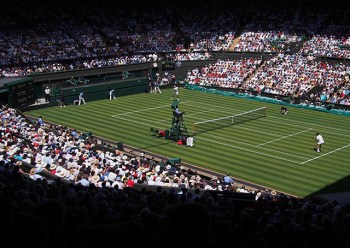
234 43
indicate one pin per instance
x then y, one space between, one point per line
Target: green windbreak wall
101 90
266 99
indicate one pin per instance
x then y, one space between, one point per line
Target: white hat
62 173
95 178
43 164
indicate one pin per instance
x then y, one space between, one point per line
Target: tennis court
275 151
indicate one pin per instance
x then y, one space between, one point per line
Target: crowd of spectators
56 39
283 75
100 204
66 41
80 159
224 73
269 30
295 75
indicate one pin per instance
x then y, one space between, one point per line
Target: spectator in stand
227 180
40 121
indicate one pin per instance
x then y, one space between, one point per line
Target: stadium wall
102 77
335 109
101 91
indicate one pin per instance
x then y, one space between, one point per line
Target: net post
194 128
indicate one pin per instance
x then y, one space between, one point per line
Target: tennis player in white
176 93
319 142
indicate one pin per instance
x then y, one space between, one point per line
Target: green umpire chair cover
174 104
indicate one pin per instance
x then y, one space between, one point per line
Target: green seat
85 135
174 104
152 131
167 134
120 146
174 161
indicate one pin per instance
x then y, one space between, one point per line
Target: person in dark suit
62 100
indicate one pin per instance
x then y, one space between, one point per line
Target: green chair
152 131
85 135
120 146
174 161
167 134
174 104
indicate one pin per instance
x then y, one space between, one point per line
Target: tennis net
208 125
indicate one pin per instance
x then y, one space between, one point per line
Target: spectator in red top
53 169
130 182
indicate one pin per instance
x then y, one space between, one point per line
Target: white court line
240 148
201 112
325 154
137 122
145 109
258 131
194 114
144 124
141 118
284 122
284 137
250 129
218 106
247 144
308 124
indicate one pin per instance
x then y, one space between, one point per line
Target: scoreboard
168 65
21 94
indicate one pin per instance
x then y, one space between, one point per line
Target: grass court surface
275 151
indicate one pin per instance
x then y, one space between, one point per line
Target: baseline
325 154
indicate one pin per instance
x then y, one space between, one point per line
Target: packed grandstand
93 190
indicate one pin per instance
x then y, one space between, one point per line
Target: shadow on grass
339 187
